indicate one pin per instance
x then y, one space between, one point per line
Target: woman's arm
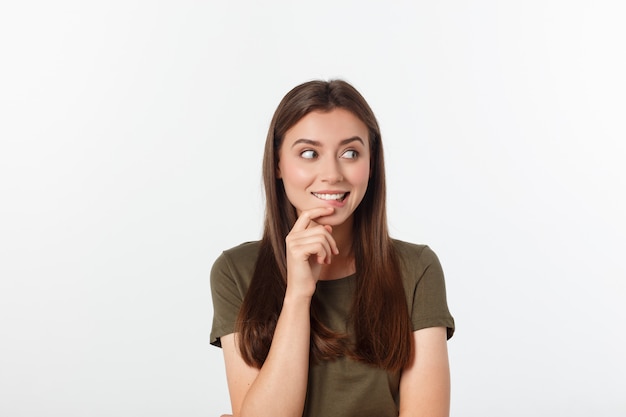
425 383
279 387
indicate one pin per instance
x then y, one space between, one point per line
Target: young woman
327 315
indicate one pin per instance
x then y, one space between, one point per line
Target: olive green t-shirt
343 387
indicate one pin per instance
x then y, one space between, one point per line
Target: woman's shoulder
244 250
411 249
414 255
238 260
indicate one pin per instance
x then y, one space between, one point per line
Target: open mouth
331 197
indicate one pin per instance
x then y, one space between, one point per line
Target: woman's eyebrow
319 144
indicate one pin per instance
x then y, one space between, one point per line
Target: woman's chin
333 220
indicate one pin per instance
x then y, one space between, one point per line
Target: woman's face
324 160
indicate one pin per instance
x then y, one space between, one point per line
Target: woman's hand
309 246
279 387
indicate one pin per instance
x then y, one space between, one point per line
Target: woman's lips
331 196
335 199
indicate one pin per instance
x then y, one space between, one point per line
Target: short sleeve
427 291
230 278
227 299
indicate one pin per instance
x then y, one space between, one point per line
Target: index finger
307 216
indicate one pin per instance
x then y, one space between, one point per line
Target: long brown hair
379 315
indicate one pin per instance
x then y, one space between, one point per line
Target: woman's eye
308 154
351 154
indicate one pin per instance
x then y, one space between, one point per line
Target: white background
131 143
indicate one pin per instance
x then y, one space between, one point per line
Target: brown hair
379 314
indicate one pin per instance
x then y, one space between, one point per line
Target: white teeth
330 196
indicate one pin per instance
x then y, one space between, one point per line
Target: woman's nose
331 171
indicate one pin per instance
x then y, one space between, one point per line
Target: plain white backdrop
131 142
